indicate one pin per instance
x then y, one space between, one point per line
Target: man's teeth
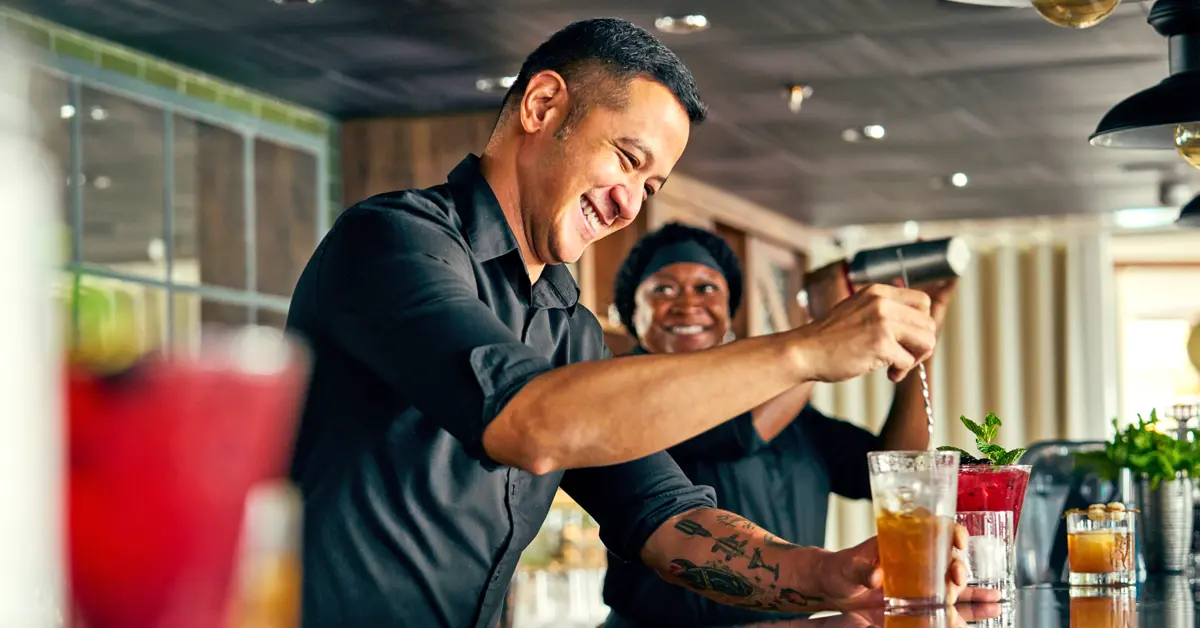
686 330
592 216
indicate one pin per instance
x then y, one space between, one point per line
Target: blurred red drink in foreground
987 487
161 460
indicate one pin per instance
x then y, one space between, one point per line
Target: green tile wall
67 42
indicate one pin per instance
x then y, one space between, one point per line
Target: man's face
581 183
683 307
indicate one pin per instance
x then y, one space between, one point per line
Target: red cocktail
161 460
990 487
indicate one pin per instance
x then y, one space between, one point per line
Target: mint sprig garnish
984 435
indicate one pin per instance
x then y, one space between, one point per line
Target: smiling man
458 383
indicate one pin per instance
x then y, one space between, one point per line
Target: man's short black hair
628 277
608 48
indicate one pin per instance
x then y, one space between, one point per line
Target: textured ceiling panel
996 93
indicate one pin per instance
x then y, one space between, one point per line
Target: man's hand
826 287
877 326
853 578
940 294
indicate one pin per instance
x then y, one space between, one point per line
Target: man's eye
633 162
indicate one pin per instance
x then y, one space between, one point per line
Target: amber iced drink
1100 544
914 494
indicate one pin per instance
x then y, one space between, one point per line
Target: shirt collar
490 237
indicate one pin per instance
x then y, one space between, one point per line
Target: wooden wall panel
606 258
285 203
386 154
798 315
737 241
220 220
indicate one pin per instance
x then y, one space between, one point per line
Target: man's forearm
775 415
727 558
612 411
907 426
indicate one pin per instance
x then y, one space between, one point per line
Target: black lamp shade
1148 118
1190 216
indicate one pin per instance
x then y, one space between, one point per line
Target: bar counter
1163 601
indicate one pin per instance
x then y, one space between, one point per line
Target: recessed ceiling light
99 113
498 84
912 230
869 132
796 95
102 182
682 24
959 180
66 111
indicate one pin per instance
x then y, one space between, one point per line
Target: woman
678 291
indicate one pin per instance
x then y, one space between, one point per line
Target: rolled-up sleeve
632 500
397 294
733 439
843 448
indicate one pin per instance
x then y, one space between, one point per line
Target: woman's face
681 308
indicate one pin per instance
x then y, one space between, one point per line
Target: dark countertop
1160 602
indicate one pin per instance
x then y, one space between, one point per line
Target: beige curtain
1029 336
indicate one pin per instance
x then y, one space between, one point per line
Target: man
457 383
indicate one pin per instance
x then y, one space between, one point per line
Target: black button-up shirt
783 486
423 325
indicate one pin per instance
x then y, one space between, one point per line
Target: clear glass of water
991 550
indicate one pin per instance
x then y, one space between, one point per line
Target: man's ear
545 103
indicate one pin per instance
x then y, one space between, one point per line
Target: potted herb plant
1162 466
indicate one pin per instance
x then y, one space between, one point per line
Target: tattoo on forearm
722 580
757 562
793 596
778 543
692 528
716 578
730 547
743 586
735 521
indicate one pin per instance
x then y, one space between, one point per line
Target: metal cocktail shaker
925 262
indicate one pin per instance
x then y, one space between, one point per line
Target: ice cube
988 558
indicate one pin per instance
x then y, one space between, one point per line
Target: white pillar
1008 359
30 419
1091 336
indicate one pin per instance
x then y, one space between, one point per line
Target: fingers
865 564
958 572
915 299
918 340
984 601
960 537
